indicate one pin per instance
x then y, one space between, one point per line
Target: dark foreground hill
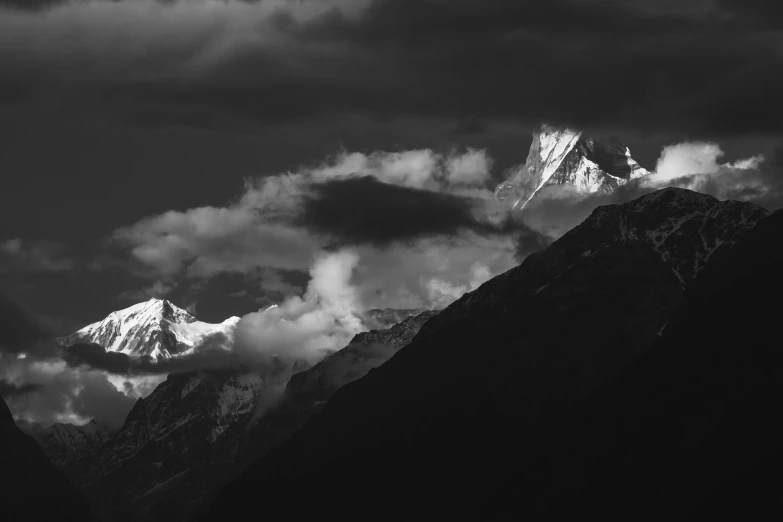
693 431
32 489
623 371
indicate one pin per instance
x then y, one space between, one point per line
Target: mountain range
625 371
196 429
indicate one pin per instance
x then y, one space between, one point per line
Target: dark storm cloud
585 63
363 210
9 389
700 66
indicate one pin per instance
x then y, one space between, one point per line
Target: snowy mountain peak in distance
155 328
566 157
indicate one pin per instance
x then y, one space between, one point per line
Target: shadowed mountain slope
486 384
33 490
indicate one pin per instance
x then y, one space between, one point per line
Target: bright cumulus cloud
263 228
696 166
306 328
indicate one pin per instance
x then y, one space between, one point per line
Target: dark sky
112 111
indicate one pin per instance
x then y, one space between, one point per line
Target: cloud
686 159
272 282
388 201
208 355
696 166
9 389
63 394
700 64
400 276
157 289
442 293
307 327
364 210
208 240
35 256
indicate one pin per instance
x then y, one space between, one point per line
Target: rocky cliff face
495 375
566 157
155 328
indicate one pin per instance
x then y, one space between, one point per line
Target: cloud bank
408 206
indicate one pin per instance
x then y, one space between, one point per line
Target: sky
222 153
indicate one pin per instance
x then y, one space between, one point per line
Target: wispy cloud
34 256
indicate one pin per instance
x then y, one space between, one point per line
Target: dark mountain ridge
196 430
487 383
690 432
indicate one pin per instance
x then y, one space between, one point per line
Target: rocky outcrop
566 157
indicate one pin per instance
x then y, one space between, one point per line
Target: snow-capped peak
155 328
566 157
154 309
